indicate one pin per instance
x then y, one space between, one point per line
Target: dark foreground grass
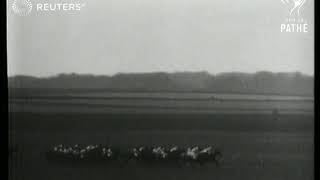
255 146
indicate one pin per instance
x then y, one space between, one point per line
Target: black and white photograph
160 89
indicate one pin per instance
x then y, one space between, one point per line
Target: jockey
135 152
109 152
141 148
159 151
82 153
104 151
206 150
196 148
173 148
192 152
163 152
156 150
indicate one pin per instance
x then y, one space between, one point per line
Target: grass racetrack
255 144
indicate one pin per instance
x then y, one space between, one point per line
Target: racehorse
159 154
107 153
190 156
175 154
146 154
209 154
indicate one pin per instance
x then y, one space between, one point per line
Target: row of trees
259 83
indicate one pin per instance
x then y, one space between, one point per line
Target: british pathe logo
294 6
22 7
294 22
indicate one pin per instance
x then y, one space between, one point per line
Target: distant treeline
245 83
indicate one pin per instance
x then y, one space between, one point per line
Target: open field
255 144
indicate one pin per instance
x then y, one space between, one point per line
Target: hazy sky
112 36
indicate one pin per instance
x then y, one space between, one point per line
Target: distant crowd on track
154 154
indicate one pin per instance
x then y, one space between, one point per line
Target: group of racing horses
154 154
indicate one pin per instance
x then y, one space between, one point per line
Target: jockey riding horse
209 154
144 154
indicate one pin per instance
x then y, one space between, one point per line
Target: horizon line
167 72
